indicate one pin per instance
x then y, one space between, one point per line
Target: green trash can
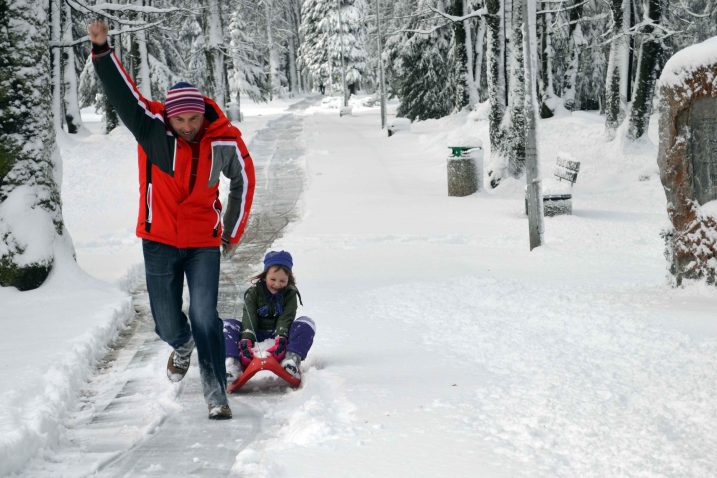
465 170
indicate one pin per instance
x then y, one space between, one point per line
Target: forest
436 57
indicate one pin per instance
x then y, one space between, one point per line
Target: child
269 312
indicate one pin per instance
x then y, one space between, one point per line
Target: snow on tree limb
104 12
84 39
475 14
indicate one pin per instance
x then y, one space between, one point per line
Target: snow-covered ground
444 346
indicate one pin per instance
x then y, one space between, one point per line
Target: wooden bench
558 190
398 124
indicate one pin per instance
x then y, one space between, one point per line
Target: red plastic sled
263 363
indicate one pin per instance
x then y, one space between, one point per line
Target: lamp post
532 173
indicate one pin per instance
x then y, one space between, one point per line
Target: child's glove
278 350
246 355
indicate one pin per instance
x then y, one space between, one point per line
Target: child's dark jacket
261 311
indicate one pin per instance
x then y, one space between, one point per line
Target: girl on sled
270 312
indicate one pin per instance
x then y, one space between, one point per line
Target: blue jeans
165 267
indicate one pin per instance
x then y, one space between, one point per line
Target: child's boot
233 369
292 364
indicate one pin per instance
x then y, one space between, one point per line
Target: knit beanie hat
278 258
183 98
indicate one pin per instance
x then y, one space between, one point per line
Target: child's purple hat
278 258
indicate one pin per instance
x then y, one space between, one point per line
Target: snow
445 347
684 63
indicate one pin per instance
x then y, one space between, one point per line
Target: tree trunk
293 12
459 53
31 216
215 55
274 77
144 83
575 43
56 36
293 77
478 62
617 69
516 131
496 89
70 97
646 72
471 87
547 94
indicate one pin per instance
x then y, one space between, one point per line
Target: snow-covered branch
560 10
137 8
454 19
686 8
450 20
419 32
84 39
103 11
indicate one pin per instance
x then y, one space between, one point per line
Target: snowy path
444 346
130 420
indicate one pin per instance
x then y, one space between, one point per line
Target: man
183 146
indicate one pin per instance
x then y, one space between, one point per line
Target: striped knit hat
183 98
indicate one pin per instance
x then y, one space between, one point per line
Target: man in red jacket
184 144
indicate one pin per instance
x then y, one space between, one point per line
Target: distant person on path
270 312
183 146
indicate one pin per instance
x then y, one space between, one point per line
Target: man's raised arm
134 110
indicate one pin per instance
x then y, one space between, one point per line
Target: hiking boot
178 363
292 364
233 369
220 412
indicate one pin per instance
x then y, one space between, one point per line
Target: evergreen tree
424 85
314 49
30 210
590 84
395 21
351 40
248 74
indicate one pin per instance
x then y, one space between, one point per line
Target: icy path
132 422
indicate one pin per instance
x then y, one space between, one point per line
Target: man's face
187 125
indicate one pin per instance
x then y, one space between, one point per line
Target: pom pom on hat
278 258
183 98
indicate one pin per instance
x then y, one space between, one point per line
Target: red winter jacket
172 209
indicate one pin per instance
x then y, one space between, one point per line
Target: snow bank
52 338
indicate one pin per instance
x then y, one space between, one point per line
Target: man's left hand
228 249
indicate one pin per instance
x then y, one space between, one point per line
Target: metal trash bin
465 170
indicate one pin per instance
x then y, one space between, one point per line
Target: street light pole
535 194
343 60
381 82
